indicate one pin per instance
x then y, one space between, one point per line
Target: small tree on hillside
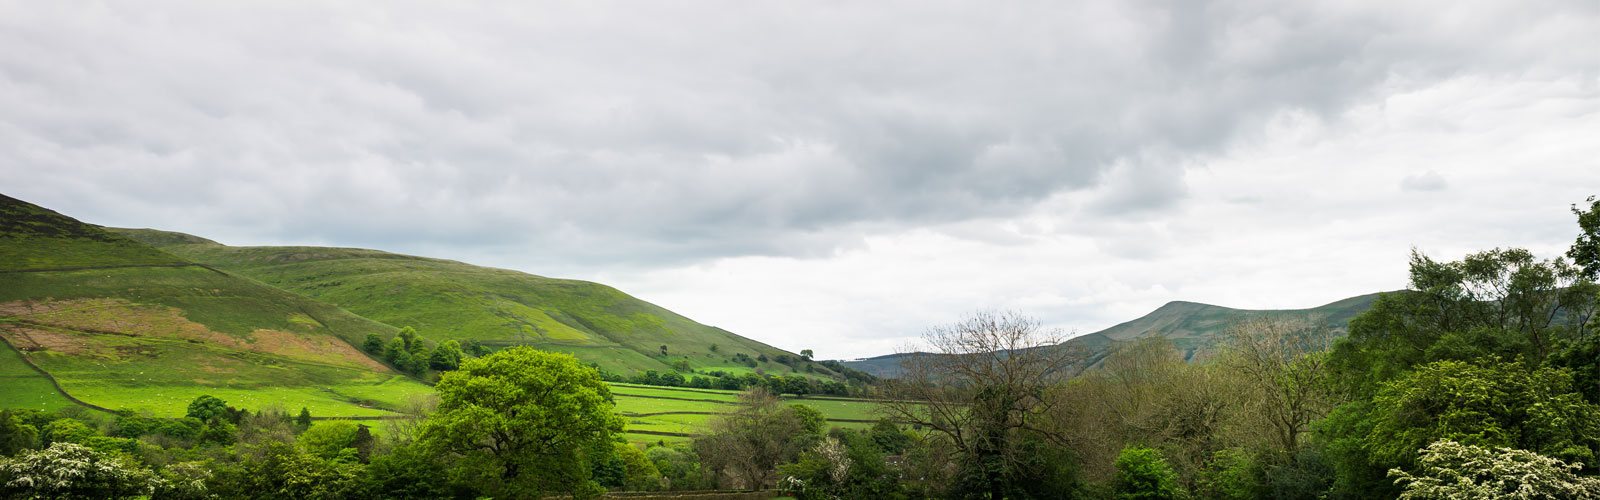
446 357
394 349
373 344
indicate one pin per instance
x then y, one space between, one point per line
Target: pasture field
688 411
160 376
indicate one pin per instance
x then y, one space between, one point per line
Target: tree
15 435
207 407
663 349
1493 303
1585 252
713 347
677 466
373 344
67 430
519 422
806 353
750 442
394 349
889 438
983 386
1143 475
73 471
304 419
1451 470
1495 404
812 420
475 348
275 470
446 357
1283 359
330 440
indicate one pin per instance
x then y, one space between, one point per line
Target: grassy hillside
32 237
446 299
120 324
1192 327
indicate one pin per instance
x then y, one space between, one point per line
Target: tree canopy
521 422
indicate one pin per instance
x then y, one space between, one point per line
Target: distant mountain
122 325
445 300
1192 327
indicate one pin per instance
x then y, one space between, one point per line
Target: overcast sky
835 176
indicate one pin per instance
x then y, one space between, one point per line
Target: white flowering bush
1450 470
73 471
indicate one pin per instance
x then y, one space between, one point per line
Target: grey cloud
1426 181
595 132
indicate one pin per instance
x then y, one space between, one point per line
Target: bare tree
986 379
751 442
1284 360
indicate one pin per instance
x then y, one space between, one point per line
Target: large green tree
519 422
1494 404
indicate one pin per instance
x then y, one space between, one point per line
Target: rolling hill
118 324
1192 327
449 300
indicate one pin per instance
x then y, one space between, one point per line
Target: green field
688 410
25 388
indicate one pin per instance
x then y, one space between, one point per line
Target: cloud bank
1084 162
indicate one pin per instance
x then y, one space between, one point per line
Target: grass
23 387
160 377
445 299
32 237
691 412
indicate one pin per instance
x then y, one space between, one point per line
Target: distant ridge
1193 328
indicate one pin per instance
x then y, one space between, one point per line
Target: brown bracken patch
120 317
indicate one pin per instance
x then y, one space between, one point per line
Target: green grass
21 387
161 377
445 299
32 237
635 410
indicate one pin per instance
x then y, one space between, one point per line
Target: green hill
120 324
1192 327
1195 327
446 299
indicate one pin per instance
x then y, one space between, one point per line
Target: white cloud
845 174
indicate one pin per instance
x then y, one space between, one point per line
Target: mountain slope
446 299
120 324
1192 327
